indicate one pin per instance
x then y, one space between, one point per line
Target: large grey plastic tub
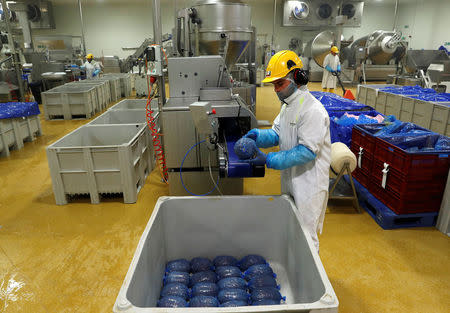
114 84
187 227
132 104
15 131
121 117
68 102
103 90
367 94
125 82
100 159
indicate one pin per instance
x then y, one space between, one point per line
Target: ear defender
300 77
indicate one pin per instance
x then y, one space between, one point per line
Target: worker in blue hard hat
331 65
91 67
302 131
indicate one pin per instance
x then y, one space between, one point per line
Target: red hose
151 123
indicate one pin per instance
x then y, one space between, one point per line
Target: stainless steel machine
202 121
372 57
221 27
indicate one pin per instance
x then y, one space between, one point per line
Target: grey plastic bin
121 117
15 131
68 102
186 227
103 90
100 159
125 82
133 104
114 84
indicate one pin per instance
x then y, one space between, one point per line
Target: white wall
113 25
425 24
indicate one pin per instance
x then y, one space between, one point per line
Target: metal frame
345 170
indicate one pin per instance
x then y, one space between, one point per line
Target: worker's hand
329 69
96 72
252 134
259 159
338 68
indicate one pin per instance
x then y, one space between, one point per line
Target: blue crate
386 218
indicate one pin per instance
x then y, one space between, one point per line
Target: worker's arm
282 160
339 68
266 138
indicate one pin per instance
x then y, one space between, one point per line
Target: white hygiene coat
304 121
90 68
328 80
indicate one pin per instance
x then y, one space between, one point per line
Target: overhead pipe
274 23
83 40
395 14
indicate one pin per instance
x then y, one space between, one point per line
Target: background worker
91 67
331 65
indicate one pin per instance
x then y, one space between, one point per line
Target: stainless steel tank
380 46
320 46
225 28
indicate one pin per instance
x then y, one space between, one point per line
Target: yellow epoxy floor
73 258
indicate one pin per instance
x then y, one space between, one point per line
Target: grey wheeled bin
187 227
100 159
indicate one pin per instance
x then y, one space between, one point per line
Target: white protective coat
90 68
328 80
304 121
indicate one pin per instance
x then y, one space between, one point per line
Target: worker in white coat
331 65
302 131
91 67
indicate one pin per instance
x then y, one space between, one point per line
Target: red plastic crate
404 204
418 166
364 159
364 139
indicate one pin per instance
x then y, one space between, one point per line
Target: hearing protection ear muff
300 77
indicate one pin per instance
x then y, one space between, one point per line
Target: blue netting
234 304
408 90
266 302
334 102
262 281
176 277
175 289
203 301
341 126
228 271
410 137
201 265
207 276
258 270
226 295
250 260
265 293
205 289
18 109
245 148
180 265
232 283
439 97
172 302
225 260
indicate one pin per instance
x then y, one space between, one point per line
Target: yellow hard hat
90 56
334 49
281 64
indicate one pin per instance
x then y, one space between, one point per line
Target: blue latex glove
96 72
286 159
329 69
265 138
339 68
259 159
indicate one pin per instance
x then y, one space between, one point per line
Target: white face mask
288 91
